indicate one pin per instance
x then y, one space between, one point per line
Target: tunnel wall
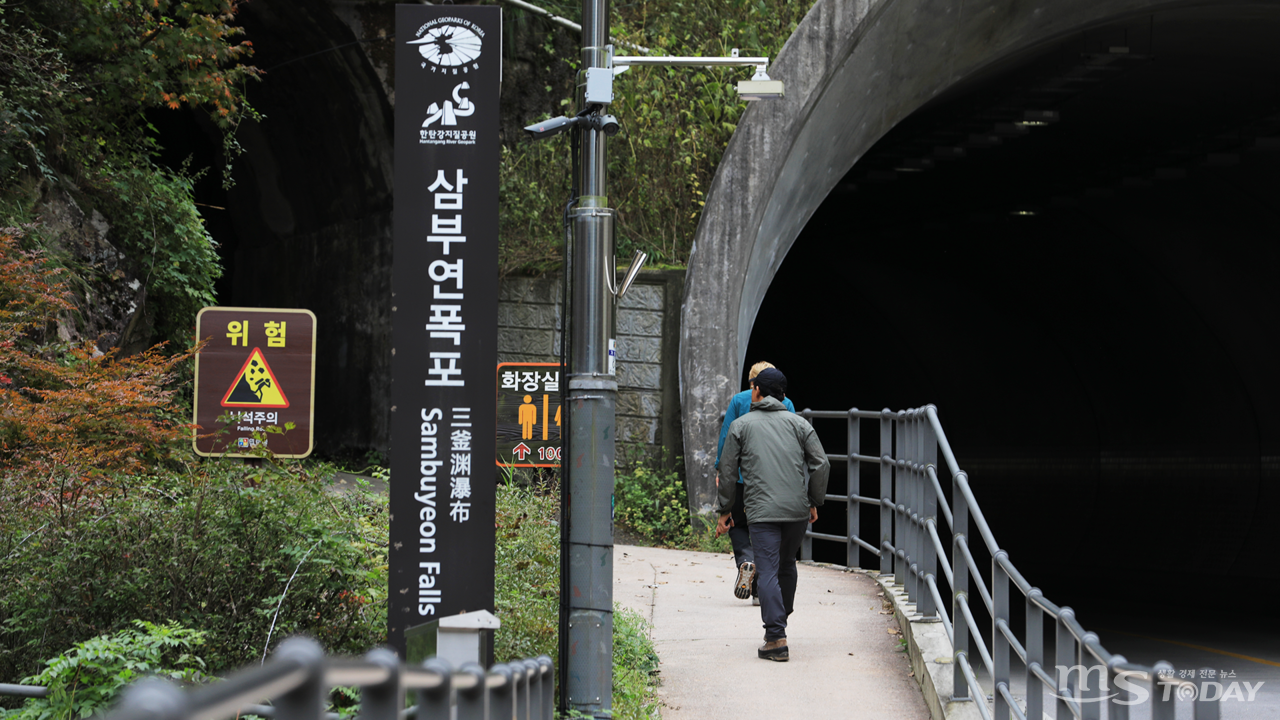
852 70
1107 389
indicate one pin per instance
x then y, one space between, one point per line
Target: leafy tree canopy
76 80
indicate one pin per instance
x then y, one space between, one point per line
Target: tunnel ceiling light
1010 129
914 165
1039 117
1023 213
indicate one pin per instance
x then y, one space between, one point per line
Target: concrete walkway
846 656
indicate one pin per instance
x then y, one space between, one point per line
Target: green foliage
87 679
531 184
76 77
527 582
528 592
652 501
239 553
635 663
676 123
153 213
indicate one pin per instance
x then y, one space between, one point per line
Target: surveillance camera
607 124
550 128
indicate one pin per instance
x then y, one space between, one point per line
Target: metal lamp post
586 632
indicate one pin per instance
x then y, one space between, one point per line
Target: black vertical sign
444 285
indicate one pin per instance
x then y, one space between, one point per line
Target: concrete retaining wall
648 335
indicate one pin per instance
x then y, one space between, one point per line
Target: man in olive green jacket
773 447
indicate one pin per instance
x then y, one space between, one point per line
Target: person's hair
757 368
772 384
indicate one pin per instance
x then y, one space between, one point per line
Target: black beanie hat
771 382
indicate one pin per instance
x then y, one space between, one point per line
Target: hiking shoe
746 573
775 650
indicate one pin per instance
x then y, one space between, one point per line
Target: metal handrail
910 548
299 675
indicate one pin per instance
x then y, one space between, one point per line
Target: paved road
845 662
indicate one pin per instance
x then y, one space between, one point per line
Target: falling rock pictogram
255 386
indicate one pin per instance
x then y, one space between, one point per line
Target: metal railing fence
910 547
298 677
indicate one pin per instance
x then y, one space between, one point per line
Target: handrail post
1118 705
384 700
307 701
522 675
900 499
806 542
1064 656
548 681
153 699
886 491
502 699
472 702
435 702
960 586
853 488
1163 694
910 429
1035 655
1205 709
1000 648
1090 694
928 511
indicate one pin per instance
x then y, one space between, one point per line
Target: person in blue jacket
739 537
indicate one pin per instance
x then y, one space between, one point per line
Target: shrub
87 679
247 556
68 418
652 502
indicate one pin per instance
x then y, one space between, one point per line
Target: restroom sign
529 415
255 374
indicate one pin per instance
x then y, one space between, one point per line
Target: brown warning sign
254 377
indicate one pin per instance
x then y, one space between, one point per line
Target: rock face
112 301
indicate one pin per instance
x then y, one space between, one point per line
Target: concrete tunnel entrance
1073 254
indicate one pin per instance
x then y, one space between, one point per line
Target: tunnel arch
854 70
307 223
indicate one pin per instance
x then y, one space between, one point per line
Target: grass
527 600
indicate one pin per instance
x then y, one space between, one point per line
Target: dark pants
739 535
776 546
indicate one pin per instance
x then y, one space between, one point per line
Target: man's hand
813 515
726 522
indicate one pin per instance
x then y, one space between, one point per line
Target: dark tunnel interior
1073 256
307 223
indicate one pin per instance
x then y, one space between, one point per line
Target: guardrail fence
910 547
298 677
